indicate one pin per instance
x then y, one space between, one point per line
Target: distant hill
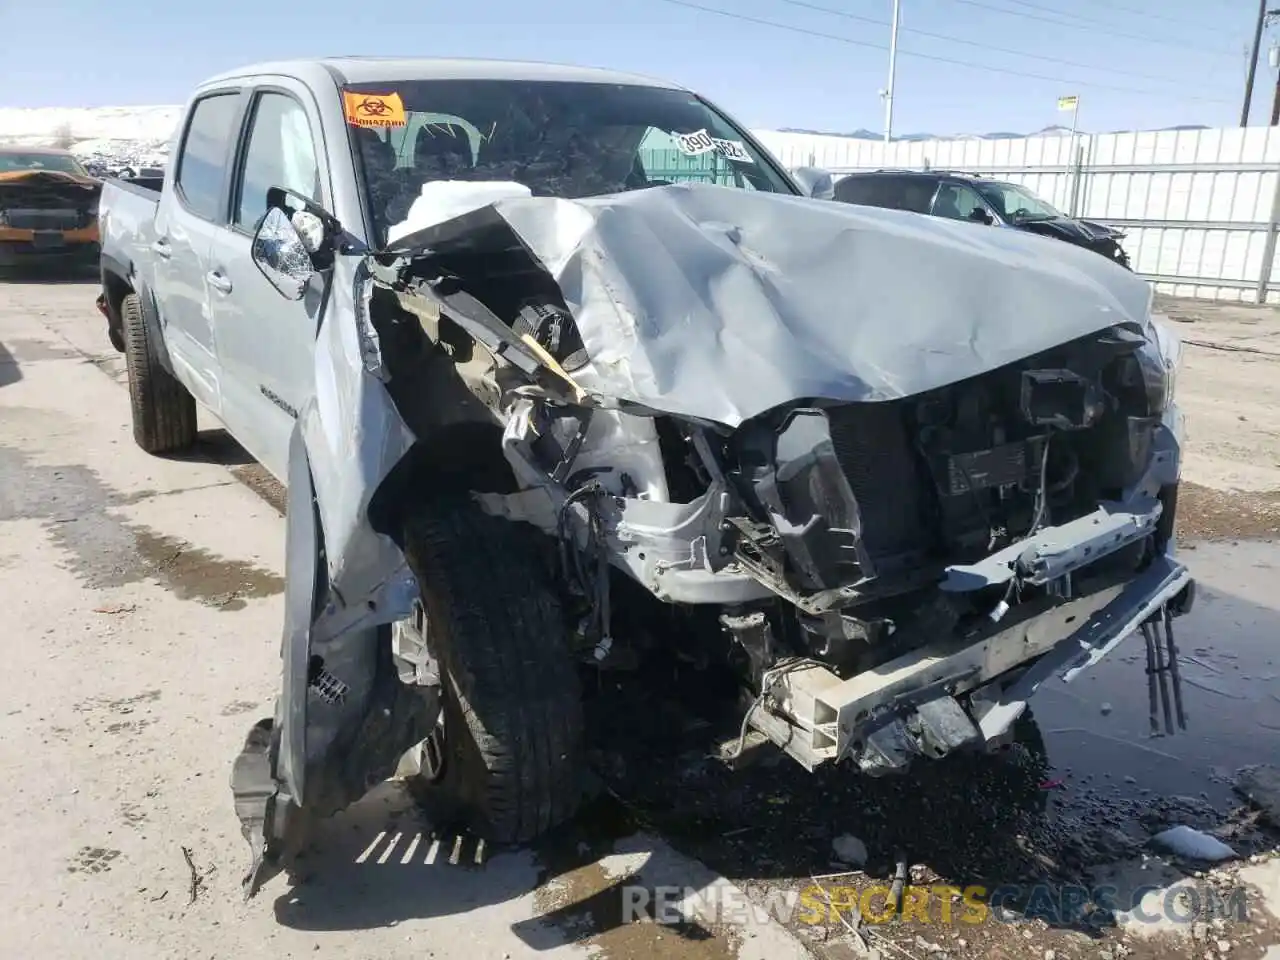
1052 131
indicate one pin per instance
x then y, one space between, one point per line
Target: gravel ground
1073 802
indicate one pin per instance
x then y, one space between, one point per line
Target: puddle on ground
1097 729
105 551
587 906
585 902
195 574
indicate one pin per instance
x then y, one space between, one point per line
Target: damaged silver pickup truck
561 367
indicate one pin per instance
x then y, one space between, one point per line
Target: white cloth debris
849 849
310 229
1183 841
442 200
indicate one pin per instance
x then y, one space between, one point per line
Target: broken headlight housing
1158 361
1155 377
1146 377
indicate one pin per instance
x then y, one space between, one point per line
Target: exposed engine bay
892 558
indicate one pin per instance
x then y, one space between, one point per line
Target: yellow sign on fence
1068 103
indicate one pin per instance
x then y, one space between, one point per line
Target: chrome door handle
218 281
161 249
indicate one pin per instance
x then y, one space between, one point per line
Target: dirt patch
1208 514
92 860
123 706
1229 389
256 478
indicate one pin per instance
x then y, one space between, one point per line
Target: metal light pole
1273 61
1253 63
893 59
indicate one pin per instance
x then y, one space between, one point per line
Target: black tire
164 413
512 734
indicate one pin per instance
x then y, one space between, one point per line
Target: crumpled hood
1073 231
722 304
46 178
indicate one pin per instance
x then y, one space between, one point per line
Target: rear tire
164 413
512 708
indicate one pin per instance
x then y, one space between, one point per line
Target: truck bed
126 222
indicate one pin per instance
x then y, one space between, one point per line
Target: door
186 222
266 343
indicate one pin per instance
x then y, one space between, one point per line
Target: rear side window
281 153
896 193
204 153
857 189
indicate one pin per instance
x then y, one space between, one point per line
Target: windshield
17 162
1016 203
559 139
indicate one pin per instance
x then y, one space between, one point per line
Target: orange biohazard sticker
373 109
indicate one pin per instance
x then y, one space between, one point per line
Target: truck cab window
280 153
204 150
559 139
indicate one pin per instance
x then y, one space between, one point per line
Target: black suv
962 196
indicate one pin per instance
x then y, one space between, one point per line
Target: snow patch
105 139
50 126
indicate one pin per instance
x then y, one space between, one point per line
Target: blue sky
1151 63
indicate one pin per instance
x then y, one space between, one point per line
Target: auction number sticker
699 142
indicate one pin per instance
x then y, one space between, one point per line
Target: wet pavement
1097 727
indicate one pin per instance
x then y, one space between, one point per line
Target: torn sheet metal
722 304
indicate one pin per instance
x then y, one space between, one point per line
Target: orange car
48 208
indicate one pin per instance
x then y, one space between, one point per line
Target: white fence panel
1200 207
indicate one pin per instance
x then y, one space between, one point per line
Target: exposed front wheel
504 762
164 412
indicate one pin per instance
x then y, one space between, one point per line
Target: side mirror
289 247
815 182
281 254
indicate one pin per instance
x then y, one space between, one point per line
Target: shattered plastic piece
1183 841
849 849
